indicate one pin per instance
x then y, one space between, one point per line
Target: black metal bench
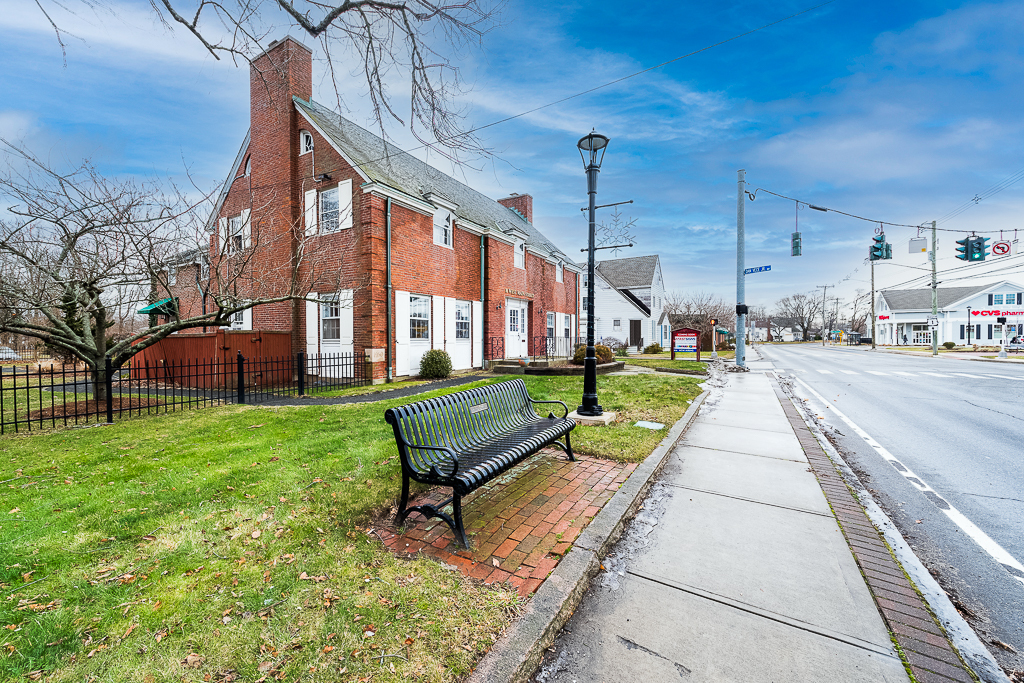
465 439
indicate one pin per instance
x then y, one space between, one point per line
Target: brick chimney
523 203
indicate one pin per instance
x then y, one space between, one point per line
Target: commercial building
965 313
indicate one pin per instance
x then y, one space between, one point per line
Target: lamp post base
602 420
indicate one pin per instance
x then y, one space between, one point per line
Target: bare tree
414 39
696 310
800 310
80 253
860 307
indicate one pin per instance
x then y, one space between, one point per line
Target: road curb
518 653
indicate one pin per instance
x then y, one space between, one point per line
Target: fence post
241 377
301 363
109 381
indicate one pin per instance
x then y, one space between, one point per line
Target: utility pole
741 318
824 290
873 316
935 297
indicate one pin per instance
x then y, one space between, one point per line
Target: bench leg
567 447
453 521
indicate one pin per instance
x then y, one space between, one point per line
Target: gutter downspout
483 301
387 250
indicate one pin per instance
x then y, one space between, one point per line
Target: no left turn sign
1000 248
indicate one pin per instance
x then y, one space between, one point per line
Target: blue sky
897 111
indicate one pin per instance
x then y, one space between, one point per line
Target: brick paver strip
926 649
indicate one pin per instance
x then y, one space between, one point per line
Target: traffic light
796 246
877 250
963 249
713 321
977 249
888 251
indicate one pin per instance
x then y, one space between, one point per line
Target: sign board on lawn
685 340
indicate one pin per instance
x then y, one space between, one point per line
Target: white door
336 334
517 329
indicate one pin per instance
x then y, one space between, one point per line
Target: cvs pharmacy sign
997 313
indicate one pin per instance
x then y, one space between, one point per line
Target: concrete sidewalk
736 570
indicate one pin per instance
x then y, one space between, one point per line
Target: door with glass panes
517 328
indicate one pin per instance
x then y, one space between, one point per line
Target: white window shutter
222 229
347 320
312 326
309 211
344 204
449 321
477 326
437 322
572 330
246 229
401 333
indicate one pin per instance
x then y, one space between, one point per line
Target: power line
826 209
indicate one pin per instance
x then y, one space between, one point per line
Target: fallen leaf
256 534
14 511
257 426
192 661
129 631
495 562
918 521
161 634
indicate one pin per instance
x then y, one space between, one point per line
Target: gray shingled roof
637 271
921 299
384 163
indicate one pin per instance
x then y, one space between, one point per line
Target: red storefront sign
997 313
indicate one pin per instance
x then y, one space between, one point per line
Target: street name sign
759 269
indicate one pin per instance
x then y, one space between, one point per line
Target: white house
629 302
964 313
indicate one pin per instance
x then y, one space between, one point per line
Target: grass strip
233 543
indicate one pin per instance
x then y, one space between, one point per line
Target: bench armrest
433 468
561 403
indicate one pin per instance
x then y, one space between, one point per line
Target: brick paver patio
519 525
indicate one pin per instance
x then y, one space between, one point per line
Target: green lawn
233 543
677 364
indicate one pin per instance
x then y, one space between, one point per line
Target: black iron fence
556 348
66 395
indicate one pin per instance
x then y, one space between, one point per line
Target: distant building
902 314
629 301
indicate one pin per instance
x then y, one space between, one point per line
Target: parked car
7 353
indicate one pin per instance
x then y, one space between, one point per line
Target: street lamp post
592 148
969 325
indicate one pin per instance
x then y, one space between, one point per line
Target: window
1011 298
172 276
238 320
234 240
513 319
329 210
462 320
586 305
586 279
305 142
568 325
558 272
520 255
330 315
419 317
443 227
551 325
997 299
617 324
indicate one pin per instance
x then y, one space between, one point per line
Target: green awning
166 306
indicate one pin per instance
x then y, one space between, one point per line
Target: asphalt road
956 428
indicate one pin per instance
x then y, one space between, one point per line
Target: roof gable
637 271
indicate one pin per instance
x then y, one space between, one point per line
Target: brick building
396 256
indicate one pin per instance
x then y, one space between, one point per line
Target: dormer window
443 228
305 142
520 255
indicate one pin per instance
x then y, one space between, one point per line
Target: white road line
997 551
876 372
935 374
899 372
825 372
1019 379
964 374
848 372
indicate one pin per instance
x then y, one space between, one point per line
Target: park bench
466 439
